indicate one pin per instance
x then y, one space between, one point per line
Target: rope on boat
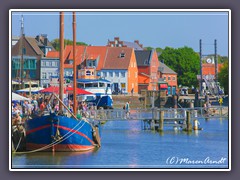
18 144
68 134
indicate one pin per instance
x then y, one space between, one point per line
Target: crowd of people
39 103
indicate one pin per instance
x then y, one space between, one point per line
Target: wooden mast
74 66
61 68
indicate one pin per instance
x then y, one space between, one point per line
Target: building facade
49 68
147 63
26 56
169 76
120 67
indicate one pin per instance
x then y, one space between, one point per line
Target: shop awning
163 86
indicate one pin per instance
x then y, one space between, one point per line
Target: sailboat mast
61 68
74 66
21 49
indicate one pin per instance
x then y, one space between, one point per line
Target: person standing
132 91
127 108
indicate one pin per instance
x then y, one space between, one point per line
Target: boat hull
59 133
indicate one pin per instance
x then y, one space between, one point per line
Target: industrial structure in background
209 68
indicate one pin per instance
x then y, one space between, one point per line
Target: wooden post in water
189 125
145 100
161 120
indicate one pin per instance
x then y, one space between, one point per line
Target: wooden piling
189 125
161 120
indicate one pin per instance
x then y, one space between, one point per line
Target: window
111 74
122 55
104 74
25 64
88 73
164 78
94 63
101 85
123 85
43 63
44 75
169 78
122 74
49 75
50 63
173 78
117 74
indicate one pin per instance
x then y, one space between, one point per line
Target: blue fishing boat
61 131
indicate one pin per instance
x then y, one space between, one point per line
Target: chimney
37 38
45 41
136 41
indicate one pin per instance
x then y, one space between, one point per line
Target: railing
154 113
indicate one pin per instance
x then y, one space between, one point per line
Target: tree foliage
185 62
158 49
56 43
223 76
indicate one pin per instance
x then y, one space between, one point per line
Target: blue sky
155 29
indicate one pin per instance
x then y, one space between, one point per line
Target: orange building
209 69
147 62
120 67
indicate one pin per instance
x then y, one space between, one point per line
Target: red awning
163 86
53 89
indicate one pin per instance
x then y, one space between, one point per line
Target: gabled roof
114 59
34 44
86 52
133 45
163 68
143 57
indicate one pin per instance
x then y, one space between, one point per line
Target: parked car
184 91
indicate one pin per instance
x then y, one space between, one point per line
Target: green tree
148 48
56 43
185 62
223 76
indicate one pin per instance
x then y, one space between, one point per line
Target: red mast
74 66
61 68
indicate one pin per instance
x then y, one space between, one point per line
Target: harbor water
126 145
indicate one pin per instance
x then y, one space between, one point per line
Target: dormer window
122 55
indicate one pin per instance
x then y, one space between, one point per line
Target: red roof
52 54
118 58
83 53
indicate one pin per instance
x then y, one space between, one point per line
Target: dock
158 118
